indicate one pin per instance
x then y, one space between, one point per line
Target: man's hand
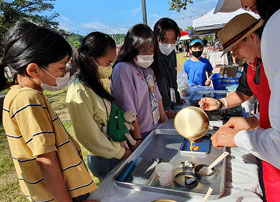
241 123
224 137
209 104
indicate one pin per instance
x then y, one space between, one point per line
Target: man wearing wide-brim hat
242 36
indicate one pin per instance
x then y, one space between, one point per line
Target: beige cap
237 29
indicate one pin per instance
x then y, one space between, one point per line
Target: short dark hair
27 43
94 45
266 8
165 24
205 42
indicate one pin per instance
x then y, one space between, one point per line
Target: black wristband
138 139
221 104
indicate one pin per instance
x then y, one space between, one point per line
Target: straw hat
227 6
237 29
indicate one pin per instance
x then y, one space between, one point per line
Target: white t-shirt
265 143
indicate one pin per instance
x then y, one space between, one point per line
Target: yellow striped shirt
32 128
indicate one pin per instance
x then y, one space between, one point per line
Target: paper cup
165 173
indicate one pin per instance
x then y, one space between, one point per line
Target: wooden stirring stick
207 194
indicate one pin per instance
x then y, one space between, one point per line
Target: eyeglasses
60 71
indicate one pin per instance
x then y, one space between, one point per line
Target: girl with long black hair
135 80
89 103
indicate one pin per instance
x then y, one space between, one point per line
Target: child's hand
207 82
170 114
127 151
133 147
181 101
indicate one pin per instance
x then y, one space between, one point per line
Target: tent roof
183 38
211 23
184 33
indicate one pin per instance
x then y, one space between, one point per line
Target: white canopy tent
184 38
210 22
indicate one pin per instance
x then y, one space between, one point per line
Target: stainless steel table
241 183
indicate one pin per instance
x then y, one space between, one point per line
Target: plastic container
223 83
165 173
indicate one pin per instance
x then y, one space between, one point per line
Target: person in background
205 53
135 80
167 33
196 67
180 47
187 47
47 160
89 103
270 43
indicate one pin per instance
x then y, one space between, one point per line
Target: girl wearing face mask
135 80
89 103
167 32
196 67
44 154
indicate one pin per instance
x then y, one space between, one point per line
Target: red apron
271 175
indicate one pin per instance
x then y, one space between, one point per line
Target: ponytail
3 79
94 45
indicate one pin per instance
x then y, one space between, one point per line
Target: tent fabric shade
184 38
183 33
210 23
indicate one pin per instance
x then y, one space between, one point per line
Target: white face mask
104 72
144 61
61 82
166 49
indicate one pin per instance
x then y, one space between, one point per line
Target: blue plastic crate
223 83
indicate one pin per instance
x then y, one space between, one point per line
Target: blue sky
117 16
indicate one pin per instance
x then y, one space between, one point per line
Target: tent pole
144 12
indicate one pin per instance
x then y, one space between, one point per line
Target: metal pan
191 123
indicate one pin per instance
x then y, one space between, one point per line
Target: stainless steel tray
165 144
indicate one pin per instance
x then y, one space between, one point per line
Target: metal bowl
191 123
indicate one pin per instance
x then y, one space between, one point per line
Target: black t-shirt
243 84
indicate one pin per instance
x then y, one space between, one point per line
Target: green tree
190 27
74 39
12 11
179 4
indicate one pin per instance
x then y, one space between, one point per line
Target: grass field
180 61
9 188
